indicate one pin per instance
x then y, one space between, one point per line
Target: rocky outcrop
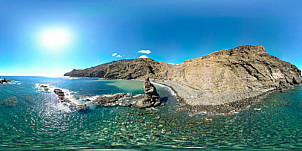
125 69
65 97
151 98
61 95
221 77
111 100
44 87
2 81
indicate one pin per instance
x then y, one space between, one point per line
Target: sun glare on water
55 38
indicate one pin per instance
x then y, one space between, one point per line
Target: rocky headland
224 80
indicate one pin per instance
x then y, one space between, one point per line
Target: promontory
230 77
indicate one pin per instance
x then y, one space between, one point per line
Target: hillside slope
125 69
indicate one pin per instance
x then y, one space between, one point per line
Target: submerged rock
10 102
151 98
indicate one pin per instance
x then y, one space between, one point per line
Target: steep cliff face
241 68
125 69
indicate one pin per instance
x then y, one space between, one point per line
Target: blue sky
172 30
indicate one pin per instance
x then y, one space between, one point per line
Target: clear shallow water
38 121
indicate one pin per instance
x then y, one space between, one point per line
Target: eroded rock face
242 68
151 98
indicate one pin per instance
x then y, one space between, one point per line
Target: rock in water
61 95
10 102
109 100
151 98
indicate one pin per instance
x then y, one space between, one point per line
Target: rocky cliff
241 68
125 69
221 77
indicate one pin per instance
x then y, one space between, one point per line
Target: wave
69 95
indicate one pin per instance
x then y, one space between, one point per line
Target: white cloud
144 51
118 56
143 56
114 54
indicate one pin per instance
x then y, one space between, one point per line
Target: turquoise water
38 121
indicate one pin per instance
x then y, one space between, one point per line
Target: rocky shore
188 96
150 99
225 80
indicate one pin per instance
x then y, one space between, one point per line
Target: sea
34 119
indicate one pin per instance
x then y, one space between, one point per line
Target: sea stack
151 98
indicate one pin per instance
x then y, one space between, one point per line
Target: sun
55 38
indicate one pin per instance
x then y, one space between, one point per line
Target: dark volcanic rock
45 87
2 81
151 98
61 95
109 100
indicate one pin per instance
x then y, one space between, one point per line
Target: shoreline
189 95
227 108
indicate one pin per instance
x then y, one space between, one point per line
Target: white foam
162 85
70 95
14 82
62 107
